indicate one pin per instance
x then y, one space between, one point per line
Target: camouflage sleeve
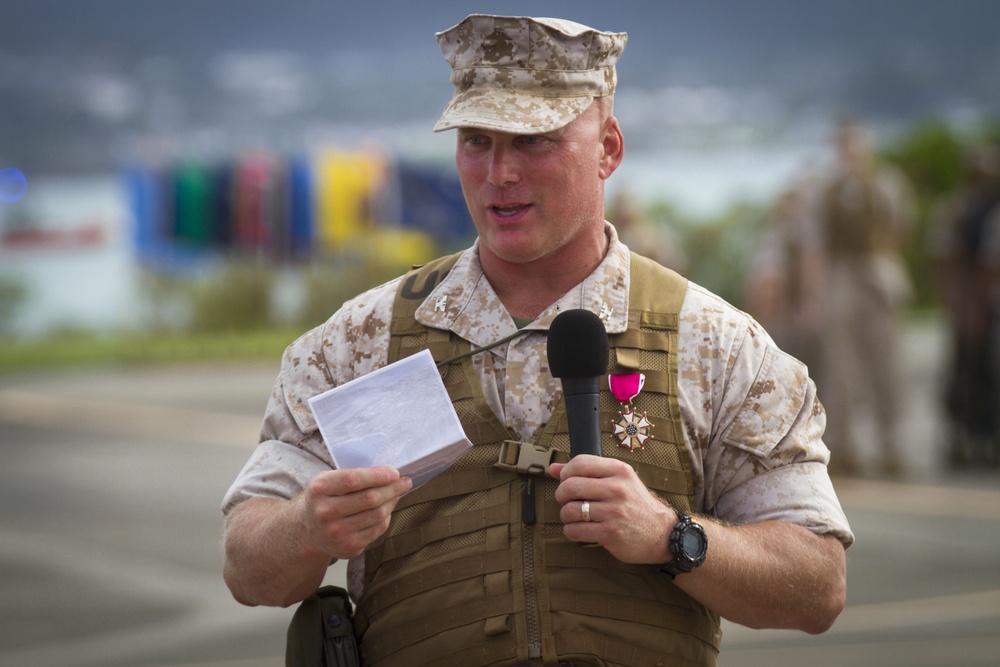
291 451
753 423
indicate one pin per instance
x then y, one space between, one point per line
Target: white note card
399 416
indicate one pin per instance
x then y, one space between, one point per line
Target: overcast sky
739 35
259 66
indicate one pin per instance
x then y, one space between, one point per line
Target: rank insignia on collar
606 312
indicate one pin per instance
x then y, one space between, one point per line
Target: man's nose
503 167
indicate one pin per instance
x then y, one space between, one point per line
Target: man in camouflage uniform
536 139
785 277
966 250
865 214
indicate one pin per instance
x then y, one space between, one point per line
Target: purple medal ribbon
626 386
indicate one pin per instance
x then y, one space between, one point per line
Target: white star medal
632 428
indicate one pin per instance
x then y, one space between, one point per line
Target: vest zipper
530 595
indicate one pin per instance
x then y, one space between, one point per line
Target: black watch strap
688 547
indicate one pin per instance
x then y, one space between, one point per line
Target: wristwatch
688 545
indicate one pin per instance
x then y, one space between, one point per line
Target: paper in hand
399 416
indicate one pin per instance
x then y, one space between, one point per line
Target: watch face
692 543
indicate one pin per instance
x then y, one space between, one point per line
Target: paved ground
109 532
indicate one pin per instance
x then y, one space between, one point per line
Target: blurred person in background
865 214
718 504
966 250
785 278
641 234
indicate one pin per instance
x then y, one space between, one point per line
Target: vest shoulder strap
653 288
656 295
414 288
420 281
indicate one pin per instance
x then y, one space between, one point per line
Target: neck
527 289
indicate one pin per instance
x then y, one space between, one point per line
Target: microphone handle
583 413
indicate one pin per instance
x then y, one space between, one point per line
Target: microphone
578 355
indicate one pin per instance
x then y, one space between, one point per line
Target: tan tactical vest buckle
524 457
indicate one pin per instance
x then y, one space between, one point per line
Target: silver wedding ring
585 510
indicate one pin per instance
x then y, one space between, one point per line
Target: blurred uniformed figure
641 234
966 250
785 279
865 212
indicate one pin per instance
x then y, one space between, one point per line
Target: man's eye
474 140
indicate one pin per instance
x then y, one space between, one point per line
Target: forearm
268 561
770 575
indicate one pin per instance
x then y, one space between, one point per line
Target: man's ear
613 145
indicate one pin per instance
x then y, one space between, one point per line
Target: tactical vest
858 217
474 568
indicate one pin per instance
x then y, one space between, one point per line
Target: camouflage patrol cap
525 75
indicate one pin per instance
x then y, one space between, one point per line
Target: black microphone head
577 345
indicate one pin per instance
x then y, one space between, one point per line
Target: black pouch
321 634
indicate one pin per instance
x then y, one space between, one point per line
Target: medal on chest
632 427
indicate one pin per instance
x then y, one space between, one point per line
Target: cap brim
510 111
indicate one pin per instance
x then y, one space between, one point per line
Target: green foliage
329 284
237 298
991 131
89 350
931 157
241 295
233 297
13 295
166 302
717 249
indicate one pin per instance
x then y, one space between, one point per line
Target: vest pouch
474 568
321 633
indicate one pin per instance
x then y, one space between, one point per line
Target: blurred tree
13 295
717 248
991 131
931 154
330 283
237 298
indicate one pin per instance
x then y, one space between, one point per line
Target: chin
514 253
517 257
